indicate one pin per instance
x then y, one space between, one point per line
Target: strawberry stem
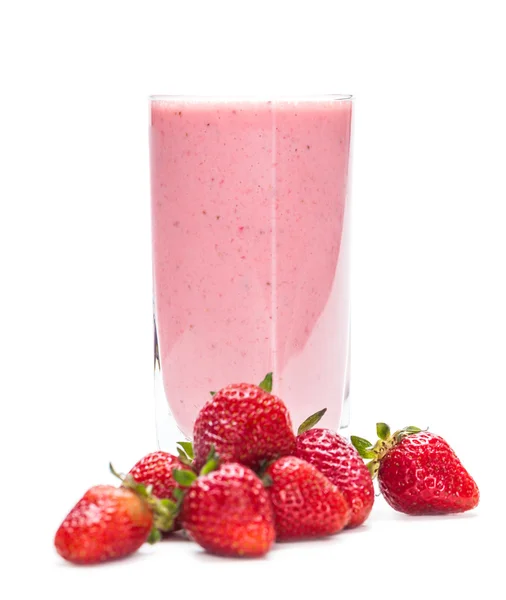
267 480
154 536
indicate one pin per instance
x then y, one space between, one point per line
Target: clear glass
250 233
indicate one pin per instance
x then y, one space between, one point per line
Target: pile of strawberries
248 481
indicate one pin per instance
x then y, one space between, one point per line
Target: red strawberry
418 472
106 523
228 512
306 504
111 522
155 469
338 460
245 423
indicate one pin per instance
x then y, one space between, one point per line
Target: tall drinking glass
250 232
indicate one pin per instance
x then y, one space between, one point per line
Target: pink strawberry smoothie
250 249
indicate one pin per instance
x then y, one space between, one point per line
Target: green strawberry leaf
168 503
412 429
154 536
402 433
187 447
142 490
362 446
311 421
266 383
178 493
212 462
359 442
183 457
367 454
212 453
211 465
213 393
383 431
120 476
183 477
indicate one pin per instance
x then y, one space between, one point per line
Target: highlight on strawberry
418 472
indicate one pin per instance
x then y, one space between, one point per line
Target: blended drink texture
250 250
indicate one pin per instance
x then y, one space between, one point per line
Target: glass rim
250 98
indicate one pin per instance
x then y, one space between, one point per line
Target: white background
429 250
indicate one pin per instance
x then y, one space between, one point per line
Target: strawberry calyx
212 462
266 383
185 477
311 421
386 441
165 510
